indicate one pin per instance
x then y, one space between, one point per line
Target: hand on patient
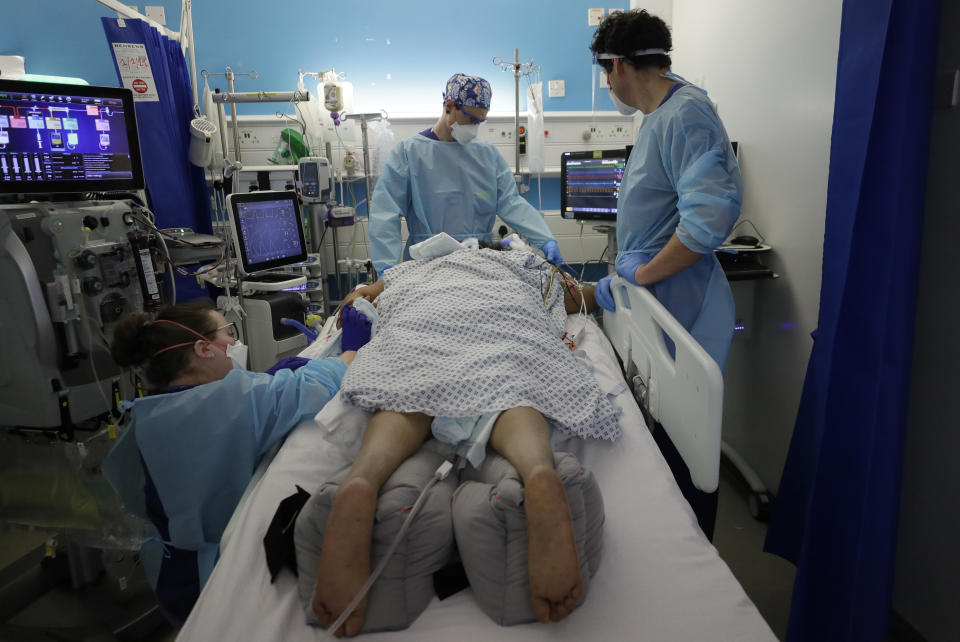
551 251
356 329
369 292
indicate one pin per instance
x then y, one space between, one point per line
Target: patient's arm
369 292
571 296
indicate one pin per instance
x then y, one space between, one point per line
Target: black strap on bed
704 504
278 542
450 579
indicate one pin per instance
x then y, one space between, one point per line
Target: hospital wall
927 581
398 54
771 69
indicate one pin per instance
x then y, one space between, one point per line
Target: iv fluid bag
535 138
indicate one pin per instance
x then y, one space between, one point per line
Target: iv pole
519 69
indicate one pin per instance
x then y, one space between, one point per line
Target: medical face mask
463 134
621 106
238 355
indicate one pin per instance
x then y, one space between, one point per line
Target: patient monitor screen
590 183
268 230
65 138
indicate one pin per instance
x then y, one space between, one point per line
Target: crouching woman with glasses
192 445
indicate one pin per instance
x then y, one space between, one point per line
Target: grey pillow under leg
491 532
405 588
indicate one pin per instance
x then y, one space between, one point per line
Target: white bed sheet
660 579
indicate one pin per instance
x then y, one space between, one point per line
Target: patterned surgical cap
470 91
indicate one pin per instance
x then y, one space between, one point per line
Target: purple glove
601 292
356 329
551 251
290 363
627 265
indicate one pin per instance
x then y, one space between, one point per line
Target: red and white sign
134 66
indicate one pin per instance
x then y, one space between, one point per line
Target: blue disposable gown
682 177
440 186
201 446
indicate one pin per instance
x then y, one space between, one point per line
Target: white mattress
660 579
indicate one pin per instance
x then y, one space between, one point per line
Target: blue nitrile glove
356 329
627 265
290 363
601 292
552 252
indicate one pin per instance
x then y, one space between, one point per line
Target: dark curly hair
136 339
623 32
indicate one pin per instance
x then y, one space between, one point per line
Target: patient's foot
345 556
554 571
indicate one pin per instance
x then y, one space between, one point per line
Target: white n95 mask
238 355
621 106
463 134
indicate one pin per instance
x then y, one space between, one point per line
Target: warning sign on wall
135 70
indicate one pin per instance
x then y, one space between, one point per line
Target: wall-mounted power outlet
249 138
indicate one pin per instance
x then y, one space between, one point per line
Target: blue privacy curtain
176 188
836 514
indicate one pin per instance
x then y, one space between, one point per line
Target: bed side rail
684 393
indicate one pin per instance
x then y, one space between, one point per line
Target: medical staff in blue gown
191 448
681 190
445 179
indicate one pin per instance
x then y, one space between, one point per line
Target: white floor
766 578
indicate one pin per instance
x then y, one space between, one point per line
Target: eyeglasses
473 119
231 330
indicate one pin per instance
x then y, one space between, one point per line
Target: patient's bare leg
390 438
522 436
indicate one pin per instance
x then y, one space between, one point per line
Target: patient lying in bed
473 339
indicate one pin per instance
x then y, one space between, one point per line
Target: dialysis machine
76 255
70 267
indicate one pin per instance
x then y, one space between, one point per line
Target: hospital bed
660 578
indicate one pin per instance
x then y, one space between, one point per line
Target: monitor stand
611 232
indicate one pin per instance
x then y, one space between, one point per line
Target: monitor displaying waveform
590 183
268 230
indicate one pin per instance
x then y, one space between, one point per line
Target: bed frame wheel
761 505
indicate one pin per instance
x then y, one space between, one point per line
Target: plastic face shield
602 65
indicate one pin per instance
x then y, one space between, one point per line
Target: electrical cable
439 475
166 252
93 367
746 220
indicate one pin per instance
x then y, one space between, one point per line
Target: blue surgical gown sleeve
289 398
707 180
201 445
391 200
515 211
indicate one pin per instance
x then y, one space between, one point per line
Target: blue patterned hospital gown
469 334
